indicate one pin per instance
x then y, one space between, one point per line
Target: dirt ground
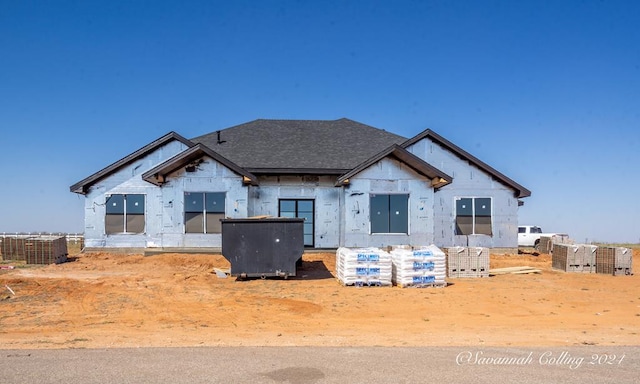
110 300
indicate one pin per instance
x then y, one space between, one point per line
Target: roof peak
299 144
310 120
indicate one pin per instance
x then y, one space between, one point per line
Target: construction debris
222 273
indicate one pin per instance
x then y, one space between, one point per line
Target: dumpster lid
263 219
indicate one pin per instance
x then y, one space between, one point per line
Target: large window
125 214
473 216
301 209
203 211
389 213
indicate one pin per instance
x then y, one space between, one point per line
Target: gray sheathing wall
342 213
164 206
210 176
469 181
263 200
126 180
387 177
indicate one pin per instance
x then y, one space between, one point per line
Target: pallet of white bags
347 282
424 285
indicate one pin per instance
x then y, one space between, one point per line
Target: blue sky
547 92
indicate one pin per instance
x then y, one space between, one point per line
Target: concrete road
255 365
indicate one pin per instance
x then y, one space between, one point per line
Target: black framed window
389 213
124 214
473 216
203 211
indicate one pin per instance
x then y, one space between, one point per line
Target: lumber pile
513 271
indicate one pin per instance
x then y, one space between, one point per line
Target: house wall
341 213
126 180
388 176
469 181
210 176
263 200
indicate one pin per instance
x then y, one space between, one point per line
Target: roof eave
520 191
438 178
297 171
83 186
157 175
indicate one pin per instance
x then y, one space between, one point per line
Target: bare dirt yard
111 300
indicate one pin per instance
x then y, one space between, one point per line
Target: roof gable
438 177
157 174
83 186
428 133
299 146
340 147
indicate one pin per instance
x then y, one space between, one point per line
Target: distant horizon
45 233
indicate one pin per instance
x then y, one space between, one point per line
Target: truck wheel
536 245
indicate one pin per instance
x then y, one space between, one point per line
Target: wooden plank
527 271
510 269
260 217
513 270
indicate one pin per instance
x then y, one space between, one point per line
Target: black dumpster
263 247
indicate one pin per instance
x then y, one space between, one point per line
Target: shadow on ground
306 270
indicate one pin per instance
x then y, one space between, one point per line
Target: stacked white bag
424 266
363 266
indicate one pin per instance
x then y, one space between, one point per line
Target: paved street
322 365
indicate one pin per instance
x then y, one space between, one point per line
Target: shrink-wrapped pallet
421 267
363 266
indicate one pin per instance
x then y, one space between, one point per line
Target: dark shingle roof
340 147
291 146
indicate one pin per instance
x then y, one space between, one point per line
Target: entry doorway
303 209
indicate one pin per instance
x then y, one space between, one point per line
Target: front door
300 208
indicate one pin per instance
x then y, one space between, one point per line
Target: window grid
473 216
389 213
125 213
203 211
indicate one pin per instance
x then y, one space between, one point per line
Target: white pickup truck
529 236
